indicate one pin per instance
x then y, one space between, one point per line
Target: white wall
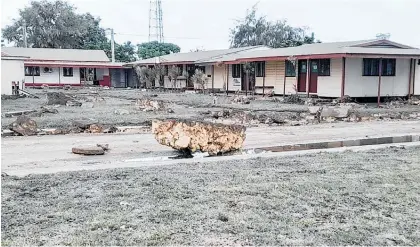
330 86
219 76
11 70
417 79
367 86
234 83
274 76
53 77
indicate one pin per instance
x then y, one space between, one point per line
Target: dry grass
368 198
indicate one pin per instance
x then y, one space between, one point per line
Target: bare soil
364 198
100 105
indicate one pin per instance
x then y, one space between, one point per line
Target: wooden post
308 77
379 82
284 80
343 77
59 75
263 85
227 79
212 78
414 74
410 77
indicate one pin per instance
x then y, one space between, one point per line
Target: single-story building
368 68
12 73
188 62
74 67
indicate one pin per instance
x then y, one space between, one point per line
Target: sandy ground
46 154
187 106
364 198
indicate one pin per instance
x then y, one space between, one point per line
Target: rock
55 98
241 99
169 110
48 110
24 126
105 147
110 130
88 150
17 113
414 101
194 135
82 124
88 104
73 103
122 112
293 99
337 112
314 109
95 128
149 105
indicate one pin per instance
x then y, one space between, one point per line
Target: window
371 67
236 70
32 71
260 69
68 72
290 69
202 68
166 68
324 67
181 69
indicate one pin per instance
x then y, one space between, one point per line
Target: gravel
366 198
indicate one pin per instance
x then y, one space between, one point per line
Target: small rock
105 147
87 105
169 110
123 203
95 128
45 109
88 150
122 112
73 103
55 98
110 130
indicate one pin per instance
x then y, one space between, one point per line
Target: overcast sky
205 24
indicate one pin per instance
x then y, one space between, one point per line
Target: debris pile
194 136
54 98
414 101
241 99
149 105
293 99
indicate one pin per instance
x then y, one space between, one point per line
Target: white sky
205 23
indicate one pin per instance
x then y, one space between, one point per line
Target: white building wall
330 86
55 77
11 70
219 77
417 78
367 86
274 76
234 83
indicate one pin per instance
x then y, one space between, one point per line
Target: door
313 77
302 68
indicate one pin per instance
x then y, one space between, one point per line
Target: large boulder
199 136
24 126
336 112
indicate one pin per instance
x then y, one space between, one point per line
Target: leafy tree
253 31
173 74
57 25
155 49
200 79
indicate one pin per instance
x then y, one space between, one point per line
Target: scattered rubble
18 113
24 126
149 105
293 99
335 112
241 99
414 101
192 136
73 103
55 98
88 150
121 112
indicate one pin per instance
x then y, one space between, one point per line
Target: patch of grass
367 198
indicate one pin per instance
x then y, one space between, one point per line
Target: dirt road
49 154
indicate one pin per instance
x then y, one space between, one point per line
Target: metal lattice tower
155 21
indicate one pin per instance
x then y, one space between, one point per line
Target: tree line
55 24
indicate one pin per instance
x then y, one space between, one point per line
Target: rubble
54 98
199 136
121 112
149 105
24 126
94 128
73 103
293 99
18 113
45 109
241 99
414 101
335 112
88 150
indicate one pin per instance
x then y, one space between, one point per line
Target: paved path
46 154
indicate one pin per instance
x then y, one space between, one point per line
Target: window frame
235 73
286 69
67 69
324 62
375 62
260 69
33 70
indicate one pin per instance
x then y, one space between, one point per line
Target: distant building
12 73
60 67
367 68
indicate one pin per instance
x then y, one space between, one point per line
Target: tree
155 49
200 79
253 31
173 74
57 25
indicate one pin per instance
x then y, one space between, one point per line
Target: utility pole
25 42
112 45
156 21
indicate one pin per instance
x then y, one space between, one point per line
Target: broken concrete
18 113
149 105
336 112
88 150
24 126
199 136
73 103
241 99
55 98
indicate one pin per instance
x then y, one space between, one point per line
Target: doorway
302 68
313 77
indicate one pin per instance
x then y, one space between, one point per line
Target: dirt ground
102 106
367 198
